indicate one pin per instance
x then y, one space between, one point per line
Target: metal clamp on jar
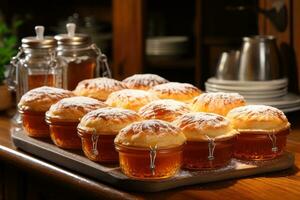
79 58
35 65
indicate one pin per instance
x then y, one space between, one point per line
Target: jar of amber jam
79 58
210 140
33 106
150 149
35 65
64 116
98 129
263 132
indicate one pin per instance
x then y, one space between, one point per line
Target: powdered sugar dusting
114 114
176 87
165 109
101 83
216 98
202 121
253 112
144 81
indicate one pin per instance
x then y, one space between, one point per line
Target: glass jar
79 58
35 65
98 147
260 146
149 163
211 154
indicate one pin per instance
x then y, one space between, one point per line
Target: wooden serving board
111 174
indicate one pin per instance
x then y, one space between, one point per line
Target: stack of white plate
273 93
167 46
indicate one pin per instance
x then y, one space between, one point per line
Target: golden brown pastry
258 119
144 81
73 108
107 120
130 99
200 126
217 102
150 133
98 88
178 91
164 109
40 99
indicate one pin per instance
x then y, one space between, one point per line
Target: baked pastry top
98 88
73 108
163 109
130 99
217 102
200 126
40 99
107 121
258 118
174 90
149 134
144 81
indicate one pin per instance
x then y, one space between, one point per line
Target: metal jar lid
72 39
39 41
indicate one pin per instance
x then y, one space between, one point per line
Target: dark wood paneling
128 37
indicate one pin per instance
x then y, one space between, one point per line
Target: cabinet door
128 37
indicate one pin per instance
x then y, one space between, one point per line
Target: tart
210 139
98 129
98 88
150 149
33 106
217 102
130 99
164 109
64 116
263 132
144 81
178 91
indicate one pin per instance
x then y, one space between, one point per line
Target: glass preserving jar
79 57
35 65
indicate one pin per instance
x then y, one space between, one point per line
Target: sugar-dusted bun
164 109
200 126
40 99
130 99
150 133
144 81
98 88
107 121
73 108
217 102
178 91
258 118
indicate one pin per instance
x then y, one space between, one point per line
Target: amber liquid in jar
38 80
99 148
255 146
196 154
34 123
78 71
136 162
64 134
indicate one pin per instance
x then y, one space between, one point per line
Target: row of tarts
153 127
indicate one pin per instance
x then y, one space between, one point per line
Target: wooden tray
75 160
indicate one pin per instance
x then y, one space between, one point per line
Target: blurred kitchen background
180 40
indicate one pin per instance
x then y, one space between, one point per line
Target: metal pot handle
102 62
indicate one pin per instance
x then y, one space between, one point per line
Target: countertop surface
277 185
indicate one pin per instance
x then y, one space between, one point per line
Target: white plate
213 80
250 93
246 88
289 100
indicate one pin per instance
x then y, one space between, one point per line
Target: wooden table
44 180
